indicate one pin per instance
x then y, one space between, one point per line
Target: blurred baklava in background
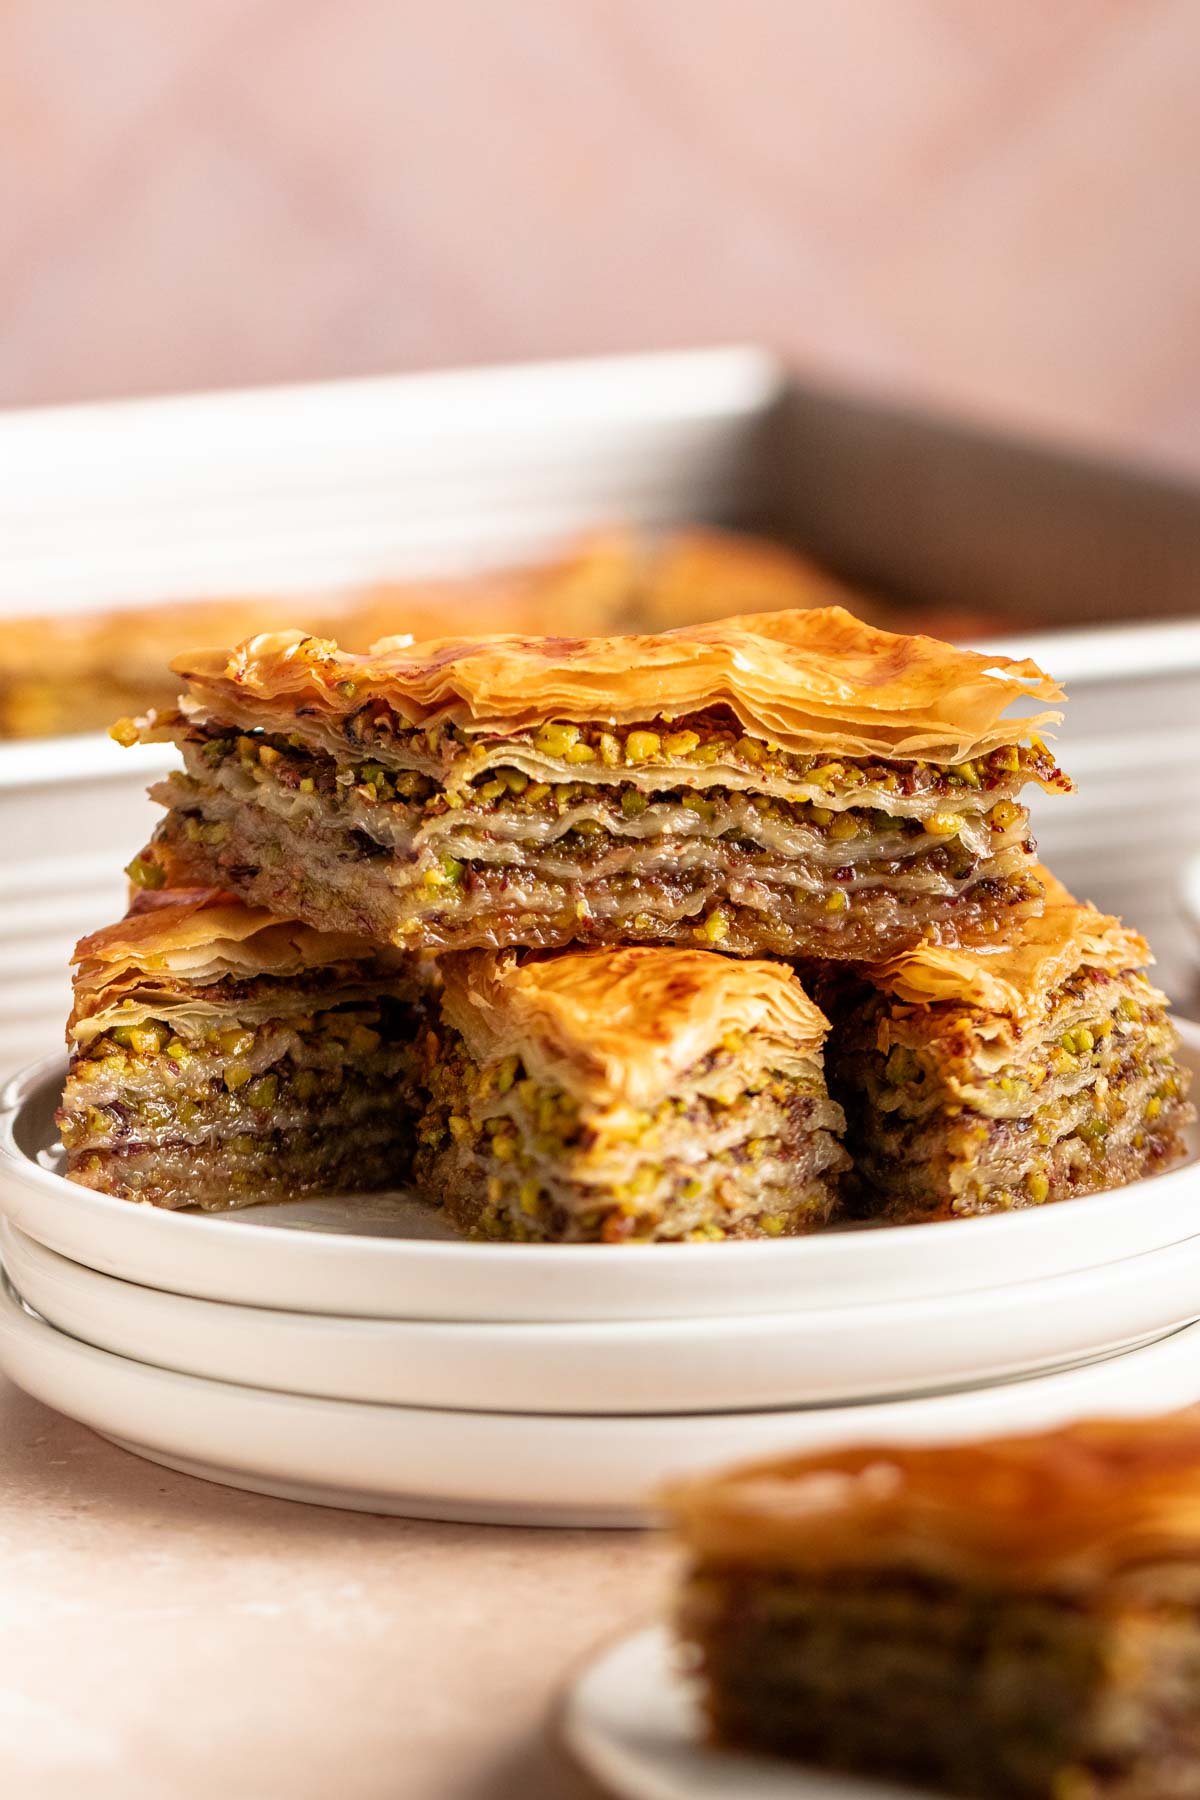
1009 1620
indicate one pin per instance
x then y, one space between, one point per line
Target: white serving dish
73 811
632 1721
521 1468
389 1257
1190 896
315 486
48 902
804 1358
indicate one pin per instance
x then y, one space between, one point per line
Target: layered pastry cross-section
220 1056
627 1095
1011 1620
976 1081
794 783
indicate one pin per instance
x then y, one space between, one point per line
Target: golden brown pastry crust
819 680
1014 980
202 936
621 1026
1063 1510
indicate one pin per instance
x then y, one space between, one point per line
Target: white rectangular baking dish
298 488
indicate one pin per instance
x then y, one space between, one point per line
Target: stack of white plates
351 1352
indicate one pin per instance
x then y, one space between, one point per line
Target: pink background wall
992 203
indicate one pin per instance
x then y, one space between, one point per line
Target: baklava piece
634 1094
788 783
974 1082
1013 1620
220 1056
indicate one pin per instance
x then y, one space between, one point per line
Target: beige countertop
162 1638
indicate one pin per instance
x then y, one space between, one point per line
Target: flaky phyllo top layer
1062 1510
816 680
1013 981
172 948
622 1027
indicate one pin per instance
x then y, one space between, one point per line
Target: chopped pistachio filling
238 1103
704 738
919 1067
245 1169
508 794
941 1127
154 1104
731 1154
673 887
446 774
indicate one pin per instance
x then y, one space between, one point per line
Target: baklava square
628 1095
221 1056
976 1081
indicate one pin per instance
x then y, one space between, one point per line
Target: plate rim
768 1353
577 1468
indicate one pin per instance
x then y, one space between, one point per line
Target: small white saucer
386 1256
522 1468
804 1358
632 1721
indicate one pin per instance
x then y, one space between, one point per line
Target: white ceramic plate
794 1359
389 1257
632 1720
520 1468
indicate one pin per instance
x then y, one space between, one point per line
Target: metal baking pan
303 488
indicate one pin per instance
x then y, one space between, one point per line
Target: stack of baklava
720 932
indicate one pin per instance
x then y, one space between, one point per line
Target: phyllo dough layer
975 1080
629 1094
792 783
1014 1620
220 1056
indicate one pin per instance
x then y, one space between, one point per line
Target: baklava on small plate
1017 1617
1010 1618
